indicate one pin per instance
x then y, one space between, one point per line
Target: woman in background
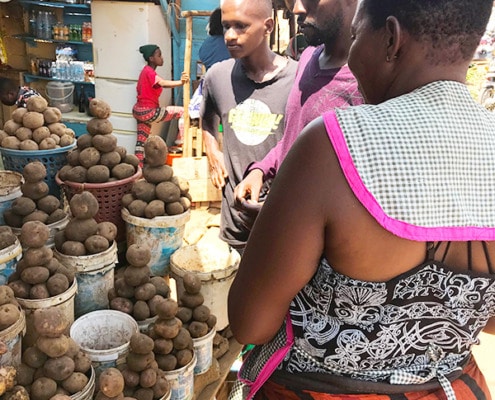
149 88
369 272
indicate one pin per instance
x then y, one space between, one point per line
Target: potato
23 206
84 205
34 357
211 321
28 145
52 115
143 190
107 229
123 289
35 275
153 303
122 171
20 288
37 215
18 113
201 313
184 357
82 362
24 375
192 283
74 349
167 192
141 311
158 174
12 219
141 343
57 284
127 199
89 156
161 286
185 203
122 304
110 159
55 138
34 234
68 271
174 208
9 314
59 239
37 104
148 378
131 378
182 183
73 157
198 329
162 386
75 383
41 133
145 292
122 151
76 174
131 159
167 328
137 208
43 389
32 120
59 368
6 295
56 216
53 347
73 248
57 128
192 300
167 309
98 126
184 314
111 382
66 140
135 276
6 239
183 340
163 346
35 256
98 174
84 141
47 144
166 362
35 190
80 229
139 362
104 143
24 133
99 108
96 244
155 151
11 142
48 204
138 255
39 291
143 394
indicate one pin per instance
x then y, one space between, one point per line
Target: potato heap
160 192
83 235
36 127
7 237
135 292
10 311
97 158
38 274
173 343
35 204
55 364
143 380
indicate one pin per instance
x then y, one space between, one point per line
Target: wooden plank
226 361
187 144
197 172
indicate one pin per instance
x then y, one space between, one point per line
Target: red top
148 91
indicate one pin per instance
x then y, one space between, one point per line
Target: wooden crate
197 172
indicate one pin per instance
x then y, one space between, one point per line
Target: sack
195 103
261 362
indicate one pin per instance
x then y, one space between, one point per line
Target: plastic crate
109 196
54 159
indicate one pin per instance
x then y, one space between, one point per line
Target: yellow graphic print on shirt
252 121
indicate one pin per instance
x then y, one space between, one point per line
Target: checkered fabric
426 157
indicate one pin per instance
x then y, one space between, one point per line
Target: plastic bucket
104 336
162 234
215 283
145 325
8 261
10 189
12 337
182 381
64 302
95 277
60 95
54 228
88 390
203 348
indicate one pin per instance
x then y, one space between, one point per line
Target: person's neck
334 55
151 65
264 66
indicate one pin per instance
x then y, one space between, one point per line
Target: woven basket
109 196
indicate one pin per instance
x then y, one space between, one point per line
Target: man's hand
249 187
248 212
218 172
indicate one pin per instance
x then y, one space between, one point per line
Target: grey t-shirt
252 116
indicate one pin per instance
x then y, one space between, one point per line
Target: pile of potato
83 235
7 237
10 311
35 204
36 127
55 364
135 292
38 274
160 192
142 378
97 158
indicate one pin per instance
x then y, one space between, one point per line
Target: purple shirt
315 91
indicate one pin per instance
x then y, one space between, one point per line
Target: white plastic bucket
8 261
104 336
215 284
88 390
12 337
162 234
54 228
64 302
203 348
60 95
145 325
10 189
182 381
95 277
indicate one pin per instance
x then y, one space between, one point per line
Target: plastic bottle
39 25
47 25
32 22
82 100
53 70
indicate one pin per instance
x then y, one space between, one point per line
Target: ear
269 25
394 37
